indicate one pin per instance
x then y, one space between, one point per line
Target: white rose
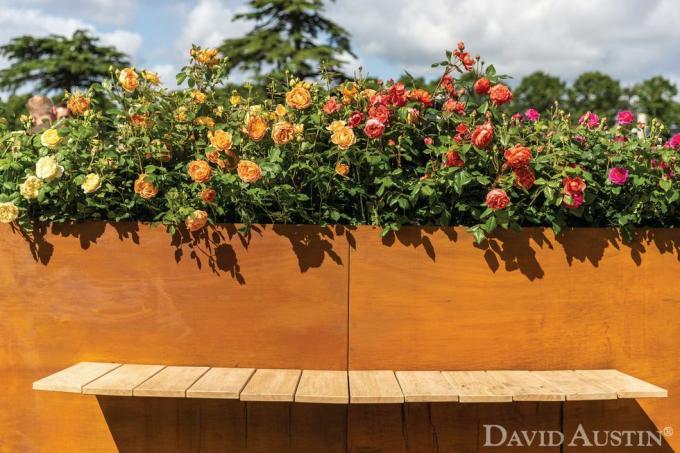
30 188
8 212
91 183
47 168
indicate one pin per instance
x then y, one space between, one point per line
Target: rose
207 57
452 159
280 110
283 132
256 127
78 104
144 187
532 115
196 220
674 142
331 106
573 185
573 201
140 120
524 177
30 188
482 86
344 137
248 171
221 140
208 195
50 138
8 212
151 77
451 105
517 156
234 99
299 97
355 119
625 118
199 171
590 119
341 169
423 96
482 135
335 125
91 183
349 92
374 128
379 112
128 79
618 176
497 199
412 116
204 121
47 169
199 97
428 141
500 94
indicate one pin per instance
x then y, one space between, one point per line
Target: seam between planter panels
349 286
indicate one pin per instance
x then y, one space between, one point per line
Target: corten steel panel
431 299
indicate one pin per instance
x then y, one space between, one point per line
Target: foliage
655 97
360 152
595 92
539 91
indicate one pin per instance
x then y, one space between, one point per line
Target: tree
655 97
288 35
55 63
595 92
539 91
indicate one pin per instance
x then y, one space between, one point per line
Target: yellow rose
151 77
283 132
342 169
199 97
30 188
92 183
280 110
207 57
128 79
78 104
367 93
205 121
349 92
50 138
196 220
344 137
47 168
299 97
221 140
256 127
181 114
235 99
248 171
335 125
8 212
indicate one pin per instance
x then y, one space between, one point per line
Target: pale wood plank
477 387
375 386
624 385
72 379
172 381
328 387
575 386
527 387
425 386
224 383
122 380
271 385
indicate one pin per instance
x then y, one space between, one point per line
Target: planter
330 298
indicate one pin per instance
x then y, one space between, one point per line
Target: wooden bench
341 387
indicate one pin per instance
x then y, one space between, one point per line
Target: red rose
482 136
482 86
374 128
573 185
355 119
452 159
500 94
524 177
517 156
380 112
497 199
331 106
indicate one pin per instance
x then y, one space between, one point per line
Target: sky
629 39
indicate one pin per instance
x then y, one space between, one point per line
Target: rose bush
362 152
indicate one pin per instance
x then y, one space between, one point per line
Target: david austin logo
498 436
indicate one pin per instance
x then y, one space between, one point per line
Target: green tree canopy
597 92
540 91
288 35
57 62
656 97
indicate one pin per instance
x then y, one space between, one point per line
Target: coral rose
497 199
482 86
199 171
374 128
91 183
196 220
221 140
8 212
517 156
248 171
78 104
50 138
573 185
256 127
524 177
208 195
482 135
299 97
342 169
331 106
283 132
452 159
453 106
344 137
379 112
30 188
47 169
500 94
144 187
128 79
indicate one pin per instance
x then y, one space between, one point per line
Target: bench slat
625 385
328 387
425 386
527 387
477 387
74 378
171 382
224 383
122 380
576 387
370 387
271 385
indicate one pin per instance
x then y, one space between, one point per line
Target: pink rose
532 115
573 201
618 176
625 118
674 142
374 128
590 119
428 141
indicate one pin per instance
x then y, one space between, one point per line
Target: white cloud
167 73
125 41
116 12
208 23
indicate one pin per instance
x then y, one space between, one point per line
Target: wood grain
425 387
374 387
477 387
626 386
171 382
577 387
271 385
75 377
225 383
122 380
327 387
525 386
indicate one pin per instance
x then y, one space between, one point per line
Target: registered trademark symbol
668 431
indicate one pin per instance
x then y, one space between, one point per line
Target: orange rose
144 187
342 169
140 120
497 199
208 195
128 79
248 171
500 94
517 156
524 177
482 135
199 171
283 132
299 97
78 104
256 127
196 220
221 140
